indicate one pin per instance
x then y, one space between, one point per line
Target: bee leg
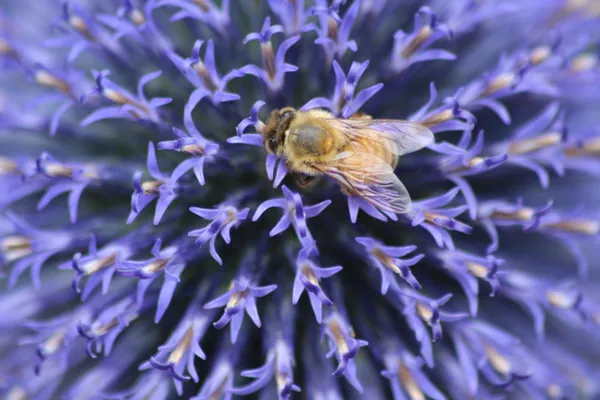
360 115
304 181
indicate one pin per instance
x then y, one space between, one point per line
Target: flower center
310 275
584 62
16 393
194 149
203 5
80 26
438 118
540 54
204 75
477 269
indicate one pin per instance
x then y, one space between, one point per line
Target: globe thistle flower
152 245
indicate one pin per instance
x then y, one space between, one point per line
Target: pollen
182 346
309 274
45 78
101 263
385 260
15 247
338 337
538 143
7 166
54 342
58 170
16 393
409 383
151 187
137 17
438 118
540 54
497 360
204 75
559 299
584 227
502 81
80 26
155 266
424 312
477 269
589 148
193 149
417 41
584 62
523 214
236 298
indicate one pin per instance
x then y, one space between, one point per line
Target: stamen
590 148
182 346
584 62
120 98
338 337
554 391
101 263
236 298
151 187
53 343
523 214
438 118
43 77
16 393
15 247
203 5
268 59
498 362
559 299
80 26
502 81
194 149
7 166
332 29
581 226
409 383
424 312
473 162
540 54
137 17
155 266
309 274
534 144
477 269
204 75
58 170
417 41
385 260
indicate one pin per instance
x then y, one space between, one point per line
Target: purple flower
163 188
240 297
126 105
387 260
487 288
308 276
412 48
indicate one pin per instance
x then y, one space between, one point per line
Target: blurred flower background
150 248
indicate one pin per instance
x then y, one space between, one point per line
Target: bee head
274 131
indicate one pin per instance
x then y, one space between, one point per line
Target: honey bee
360 153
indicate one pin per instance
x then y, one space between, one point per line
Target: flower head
486 287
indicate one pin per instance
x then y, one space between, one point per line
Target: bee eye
273 143
285 115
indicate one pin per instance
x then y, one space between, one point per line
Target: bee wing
371 178
401 137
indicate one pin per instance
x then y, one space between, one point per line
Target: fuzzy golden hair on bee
359 153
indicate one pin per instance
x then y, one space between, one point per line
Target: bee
359 153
